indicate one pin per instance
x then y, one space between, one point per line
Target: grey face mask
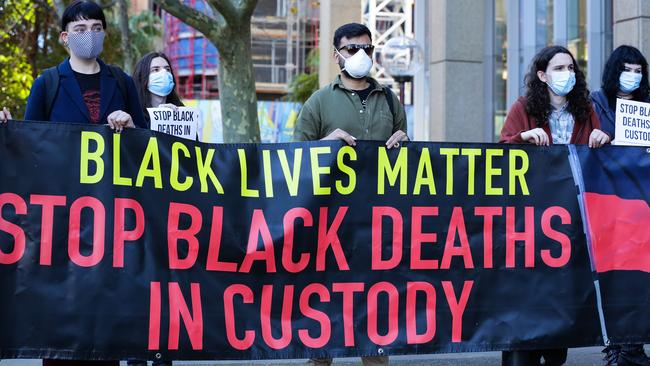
86 45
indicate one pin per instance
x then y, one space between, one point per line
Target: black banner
138 245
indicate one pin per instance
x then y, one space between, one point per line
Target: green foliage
29 43
305 84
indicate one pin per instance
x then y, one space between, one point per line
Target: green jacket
335 106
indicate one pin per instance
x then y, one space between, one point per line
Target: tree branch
247 7
226 9
194 18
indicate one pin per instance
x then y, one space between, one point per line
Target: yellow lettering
268 174
385 169
204 168
518 173
179 186
88 156
450 153
245 191
491 172
317 170
471 167
291 177
345 169
152 157
118 179
424 177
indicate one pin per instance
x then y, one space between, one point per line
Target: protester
154 80
83 89
555 110
626 77
353 106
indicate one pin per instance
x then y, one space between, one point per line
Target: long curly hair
538 101
616 65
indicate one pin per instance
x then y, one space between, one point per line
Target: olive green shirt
335 106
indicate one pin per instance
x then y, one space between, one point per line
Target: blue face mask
161 83
562 82
629 81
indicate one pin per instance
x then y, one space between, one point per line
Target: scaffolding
387 19
283 32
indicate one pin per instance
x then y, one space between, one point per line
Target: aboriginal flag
616 197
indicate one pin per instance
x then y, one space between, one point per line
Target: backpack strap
389 100
51 76
118 74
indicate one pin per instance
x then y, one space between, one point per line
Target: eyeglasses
353 48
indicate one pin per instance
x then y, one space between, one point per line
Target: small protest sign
182 122
632 123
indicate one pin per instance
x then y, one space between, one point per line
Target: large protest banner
139 244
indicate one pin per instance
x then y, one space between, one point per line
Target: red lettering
214 264
393 305
317 315
488 226
229 313
120 234
330 238
378 214
259 227
527 236
412 335
287 251
12 229
174 234
47 223
178 309
418 238
348 290
457 307
74 230
457 225
154 316
285 320
563 239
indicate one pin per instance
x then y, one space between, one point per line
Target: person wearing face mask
626 77
555 110
154 80
354 106
83 89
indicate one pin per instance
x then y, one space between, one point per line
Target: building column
632 24
457 43
333 14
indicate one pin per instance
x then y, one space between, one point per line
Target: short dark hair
616 65
82 10
350 30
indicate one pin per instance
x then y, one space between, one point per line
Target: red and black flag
615 198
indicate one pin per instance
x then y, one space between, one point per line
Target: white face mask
358 65
629 81
561 82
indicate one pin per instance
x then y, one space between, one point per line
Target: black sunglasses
353 48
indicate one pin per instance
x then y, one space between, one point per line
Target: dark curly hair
616 65
538 101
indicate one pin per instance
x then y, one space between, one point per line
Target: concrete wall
333 14
631 23
456 65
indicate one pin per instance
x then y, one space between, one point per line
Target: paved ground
590 356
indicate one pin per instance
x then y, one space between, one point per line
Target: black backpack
51 76
389 100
